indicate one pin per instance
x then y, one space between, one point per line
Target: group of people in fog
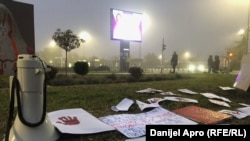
213 64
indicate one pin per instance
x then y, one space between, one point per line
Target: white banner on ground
134 125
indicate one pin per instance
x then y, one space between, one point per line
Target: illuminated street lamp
52 43
187 55
230 54
241 32
85 36
162 50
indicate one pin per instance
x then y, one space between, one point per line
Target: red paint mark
67 120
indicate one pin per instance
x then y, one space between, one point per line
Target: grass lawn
98 99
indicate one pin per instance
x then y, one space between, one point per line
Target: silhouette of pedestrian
174 61
210 63
216 64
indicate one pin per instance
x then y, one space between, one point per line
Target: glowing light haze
201 27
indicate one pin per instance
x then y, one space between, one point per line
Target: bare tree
67 40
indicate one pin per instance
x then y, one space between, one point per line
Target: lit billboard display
126 25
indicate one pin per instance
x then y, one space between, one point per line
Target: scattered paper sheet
245 110
243 104
134 125
202 115
178 99
168 93
77 121
181 99
137 139
226 88
218 102
187 91
149 91
144 106
211 95
124 105
237 114
155 100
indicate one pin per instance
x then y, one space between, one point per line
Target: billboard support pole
162 50
124 55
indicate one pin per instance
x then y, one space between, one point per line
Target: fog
200 27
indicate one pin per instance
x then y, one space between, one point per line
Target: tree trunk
66 62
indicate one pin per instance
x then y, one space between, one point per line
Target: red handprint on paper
68 120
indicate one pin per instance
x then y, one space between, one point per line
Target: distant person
210 63
174 61
216 64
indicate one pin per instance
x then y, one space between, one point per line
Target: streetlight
241 32
52 43
85 36
163 48
187 55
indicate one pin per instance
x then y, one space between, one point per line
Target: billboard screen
126 25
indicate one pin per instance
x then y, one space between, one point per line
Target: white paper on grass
77 121
226 88
244 104
134 125
144 106
181 99
237 114
218 102
243 78
172 98
187 91
123 105
245 110
211 95
155 100
168 93
149 91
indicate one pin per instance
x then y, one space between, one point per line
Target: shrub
81 68
136 72
112 76
63 80
52 73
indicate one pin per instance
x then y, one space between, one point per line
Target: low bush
52 73
63 80
81 68
136 72
112 76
